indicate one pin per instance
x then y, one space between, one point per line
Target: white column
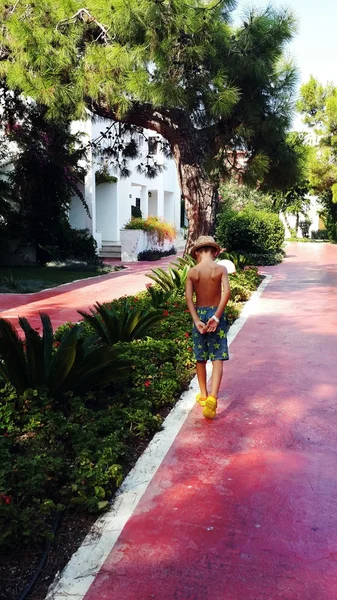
160 201
144 203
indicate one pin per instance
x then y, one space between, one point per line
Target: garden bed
25 280
71 455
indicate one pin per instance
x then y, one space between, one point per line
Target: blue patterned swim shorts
210 346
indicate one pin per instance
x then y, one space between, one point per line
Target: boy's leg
216 377
211 403
201 374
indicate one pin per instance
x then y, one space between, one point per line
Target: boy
210 283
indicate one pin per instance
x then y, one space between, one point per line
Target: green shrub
158 230
78 244
304 227
320 234
251 231
53 460
136 213
155 254
272 258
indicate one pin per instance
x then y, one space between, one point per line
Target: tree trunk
297 222
191 148
198 192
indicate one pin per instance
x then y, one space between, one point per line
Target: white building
110 203
312 214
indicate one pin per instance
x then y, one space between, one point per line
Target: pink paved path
245 507
62 303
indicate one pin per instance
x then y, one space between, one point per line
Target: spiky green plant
172 280
76 365
240 260
123 325
158 296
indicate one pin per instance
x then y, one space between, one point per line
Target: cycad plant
122 325
240 260
174 279
76 365
158 296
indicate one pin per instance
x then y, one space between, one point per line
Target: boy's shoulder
200 269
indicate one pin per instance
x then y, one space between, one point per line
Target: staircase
110 250
113 249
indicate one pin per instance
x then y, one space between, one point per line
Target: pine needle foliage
179 67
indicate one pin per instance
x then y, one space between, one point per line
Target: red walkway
245 507
62 303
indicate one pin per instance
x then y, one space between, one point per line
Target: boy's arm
201 327
225 295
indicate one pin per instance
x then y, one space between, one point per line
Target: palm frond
34 353
63 360
47 338
13 366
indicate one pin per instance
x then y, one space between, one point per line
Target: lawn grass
34 279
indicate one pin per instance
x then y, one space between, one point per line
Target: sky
314 48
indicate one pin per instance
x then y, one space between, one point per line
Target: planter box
134 241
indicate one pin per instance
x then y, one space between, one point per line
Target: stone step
110 254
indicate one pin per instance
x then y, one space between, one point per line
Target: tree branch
14 7
86 17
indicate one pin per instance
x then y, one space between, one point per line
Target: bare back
206 278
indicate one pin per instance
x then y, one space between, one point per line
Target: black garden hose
29 587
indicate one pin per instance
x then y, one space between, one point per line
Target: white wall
77 214
113 204
106 211
153 203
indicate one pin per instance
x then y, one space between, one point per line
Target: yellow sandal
201 400
210 407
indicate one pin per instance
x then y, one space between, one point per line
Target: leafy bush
76 244
136 213
251 231
272 258
304 227
234 196
158 230
155 254
74 364
123 324
320 234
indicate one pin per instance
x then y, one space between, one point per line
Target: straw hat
202 241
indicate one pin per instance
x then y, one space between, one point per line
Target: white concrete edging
76 578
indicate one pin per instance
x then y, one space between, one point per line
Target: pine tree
177 67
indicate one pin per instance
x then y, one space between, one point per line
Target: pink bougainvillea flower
187 335
147 383
166 313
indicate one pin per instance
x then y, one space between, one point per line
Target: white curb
74 581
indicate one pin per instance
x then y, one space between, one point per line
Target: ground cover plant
34 279
68 453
